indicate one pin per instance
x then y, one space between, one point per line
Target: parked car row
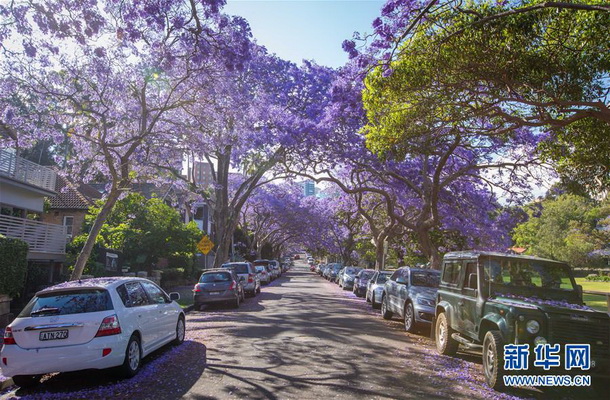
484 301
235 280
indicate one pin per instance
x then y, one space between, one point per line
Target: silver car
268 267
347 276
246 272
263 274
361 281
374 289
218 286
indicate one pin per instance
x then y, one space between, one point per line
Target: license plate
214 293
54 335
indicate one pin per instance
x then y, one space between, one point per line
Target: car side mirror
472 281
174 296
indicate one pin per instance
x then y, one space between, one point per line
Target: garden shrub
13 265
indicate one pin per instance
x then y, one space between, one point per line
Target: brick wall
57 217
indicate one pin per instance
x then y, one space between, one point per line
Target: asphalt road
301 338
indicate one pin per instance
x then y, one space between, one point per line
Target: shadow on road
167 373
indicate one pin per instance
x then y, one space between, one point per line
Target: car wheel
133 358
373 302
385 313
445 344
26 381
409 317
493 359
366 296
180 330
236 302
258 290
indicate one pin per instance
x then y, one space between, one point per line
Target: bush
13 265
173 277
598 278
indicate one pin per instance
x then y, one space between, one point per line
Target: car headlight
425 302
532 326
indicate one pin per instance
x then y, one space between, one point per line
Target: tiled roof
73 198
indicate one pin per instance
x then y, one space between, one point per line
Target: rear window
260 268
261 263
238 268
65 303
215 277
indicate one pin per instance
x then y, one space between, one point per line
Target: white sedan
94 323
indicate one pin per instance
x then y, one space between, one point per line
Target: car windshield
72 302
213 277
238 268
427 279
366 274
526 273
337 268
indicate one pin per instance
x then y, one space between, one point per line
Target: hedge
598 278
13 265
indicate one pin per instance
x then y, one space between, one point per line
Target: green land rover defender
487 300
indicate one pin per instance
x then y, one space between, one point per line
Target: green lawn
595 301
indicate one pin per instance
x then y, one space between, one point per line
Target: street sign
205 245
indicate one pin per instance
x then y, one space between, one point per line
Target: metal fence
26 171
40 236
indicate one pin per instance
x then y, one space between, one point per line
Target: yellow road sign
205 245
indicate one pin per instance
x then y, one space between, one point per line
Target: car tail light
250 278
232 287
196 289
8 336
109 326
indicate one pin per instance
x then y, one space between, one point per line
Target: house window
69 223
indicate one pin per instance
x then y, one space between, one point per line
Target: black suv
486 300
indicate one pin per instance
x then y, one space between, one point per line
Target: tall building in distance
309 188
201 173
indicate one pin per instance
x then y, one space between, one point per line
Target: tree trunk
380 253
429 249
84 254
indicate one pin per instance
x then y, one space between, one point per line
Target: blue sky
306 29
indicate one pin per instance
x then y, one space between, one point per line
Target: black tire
197 306
445 344
410 323
385 313
258 290
373 302
27 381
133 358
235 303
368 300
180 330
493 360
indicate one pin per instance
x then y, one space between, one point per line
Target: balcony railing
26 171
40 236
